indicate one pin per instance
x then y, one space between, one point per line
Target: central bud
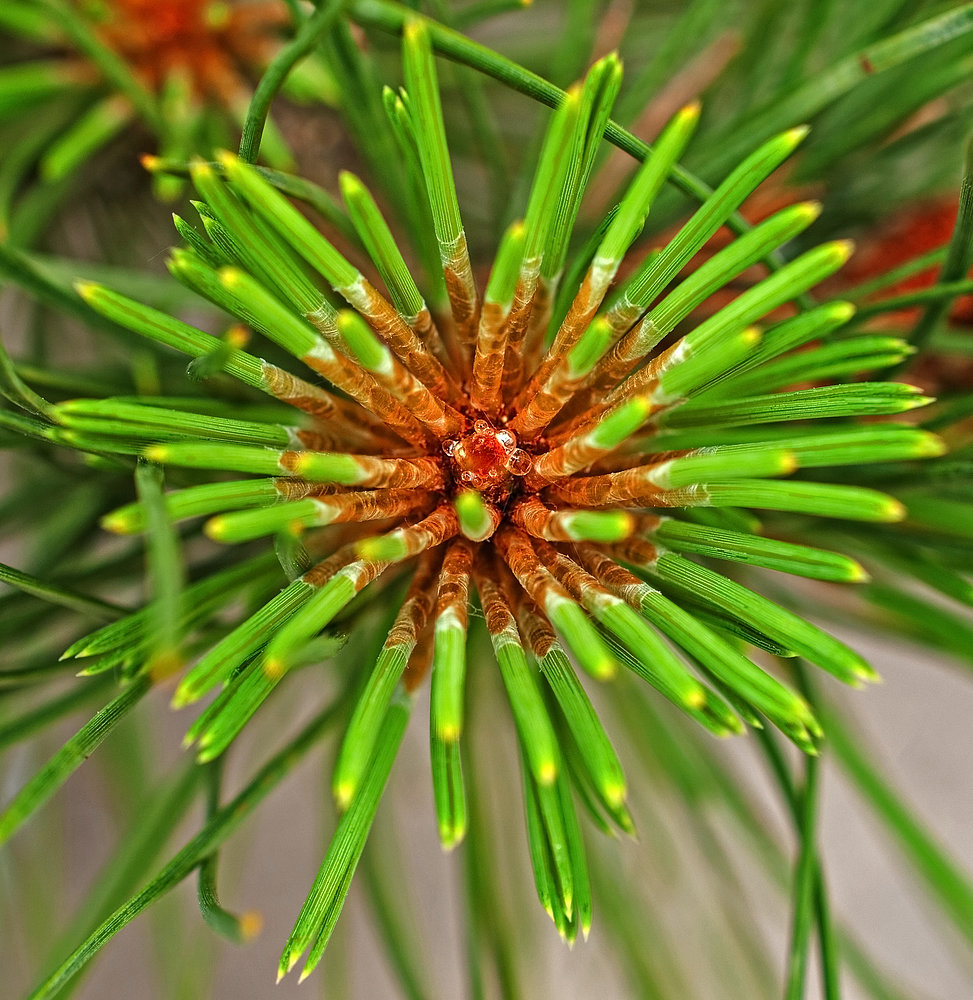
486 459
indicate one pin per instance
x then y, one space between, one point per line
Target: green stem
486 136
273 79
940 298
804 885
22 270
394 922
91 607
69 758
828 950
218 918
18 392
214 833
290 184
886 279
827 941
483 10
155 819
957 262
26 723
389 16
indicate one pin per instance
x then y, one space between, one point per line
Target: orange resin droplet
486 459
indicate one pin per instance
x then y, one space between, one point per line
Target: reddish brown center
487 459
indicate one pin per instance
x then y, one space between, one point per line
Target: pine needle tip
810 209
251 924
198 167
930 446
842 311
696 698
795 136
604 669
894 510
691 111
350 183
181 698
615 793
344 792
87 289
119 524
843 249
215 528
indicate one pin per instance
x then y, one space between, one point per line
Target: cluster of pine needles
581 453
